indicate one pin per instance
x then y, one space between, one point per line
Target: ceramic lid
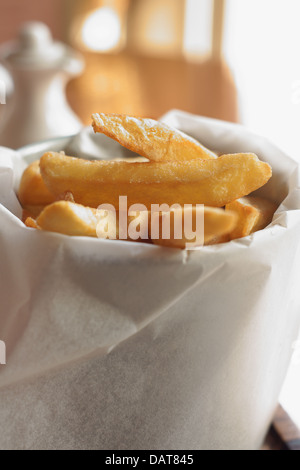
35 48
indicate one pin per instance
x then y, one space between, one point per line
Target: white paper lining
122 345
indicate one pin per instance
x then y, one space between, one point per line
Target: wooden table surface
283 434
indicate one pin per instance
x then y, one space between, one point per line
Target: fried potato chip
131 159
151 139
32 190
218 240
120 225
68 218
31 223
76 220
214 182
254 213
212 223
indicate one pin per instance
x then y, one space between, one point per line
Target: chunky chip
121 225
253 214
215 223
68 218
151 139
31 223
214 182
71 219
218 240
33 191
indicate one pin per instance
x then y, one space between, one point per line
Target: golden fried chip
218 240
214 182
131 159
120 225
31 223
32 190
69 219
254 213
214 223
151 139
76 220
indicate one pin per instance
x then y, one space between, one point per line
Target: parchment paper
118 345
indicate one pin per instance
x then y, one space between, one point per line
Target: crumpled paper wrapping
117 345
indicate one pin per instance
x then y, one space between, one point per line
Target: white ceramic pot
40 69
